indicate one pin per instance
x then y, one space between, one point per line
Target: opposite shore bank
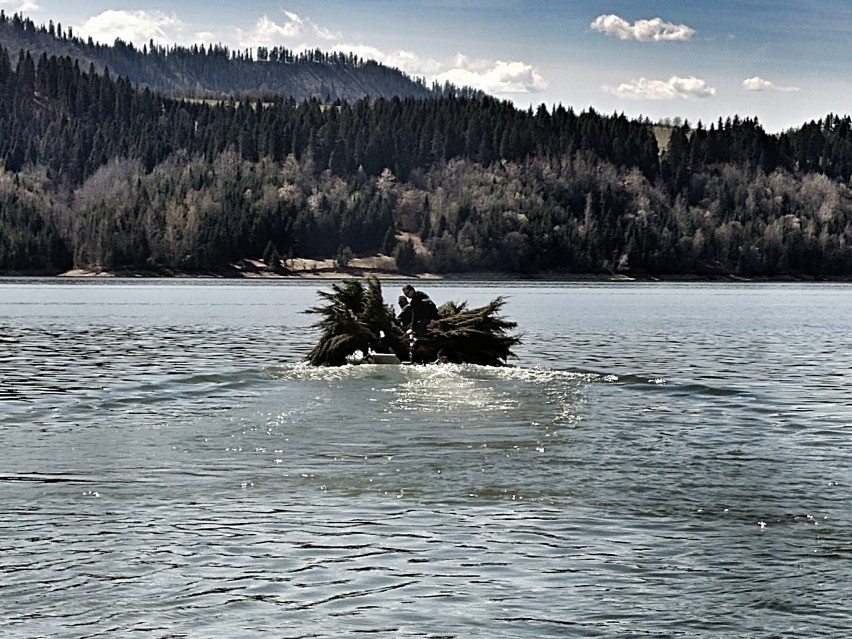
383 267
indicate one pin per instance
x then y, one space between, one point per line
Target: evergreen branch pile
355 316
473 336
353 320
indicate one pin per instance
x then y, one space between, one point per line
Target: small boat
383 358
372 357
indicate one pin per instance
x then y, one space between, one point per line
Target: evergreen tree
406 257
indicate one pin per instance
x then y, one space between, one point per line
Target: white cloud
497 77
491 76
653 30
461 61
20 7
759 84
675 88
756 84
137 27
268 32
325 34
411 63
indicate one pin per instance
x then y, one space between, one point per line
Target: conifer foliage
355 318
473 335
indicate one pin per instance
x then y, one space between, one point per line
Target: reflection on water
662 461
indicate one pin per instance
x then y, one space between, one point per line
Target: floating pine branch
473 336
354 319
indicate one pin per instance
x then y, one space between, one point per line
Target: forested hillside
215 71
100 174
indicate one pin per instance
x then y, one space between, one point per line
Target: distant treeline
215 71
101 174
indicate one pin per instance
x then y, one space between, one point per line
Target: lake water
662 460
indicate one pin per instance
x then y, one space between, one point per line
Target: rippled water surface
662 460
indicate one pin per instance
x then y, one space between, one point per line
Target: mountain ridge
217 72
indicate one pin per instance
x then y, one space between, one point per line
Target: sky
785 62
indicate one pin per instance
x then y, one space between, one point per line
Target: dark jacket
423 311
404 318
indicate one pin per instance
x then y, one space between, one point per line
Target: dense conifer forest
216 72
99 173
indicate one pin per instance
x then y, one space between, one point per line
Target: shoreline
383 267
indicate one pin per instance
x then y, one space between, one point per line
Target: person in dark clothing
423 309
404 317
